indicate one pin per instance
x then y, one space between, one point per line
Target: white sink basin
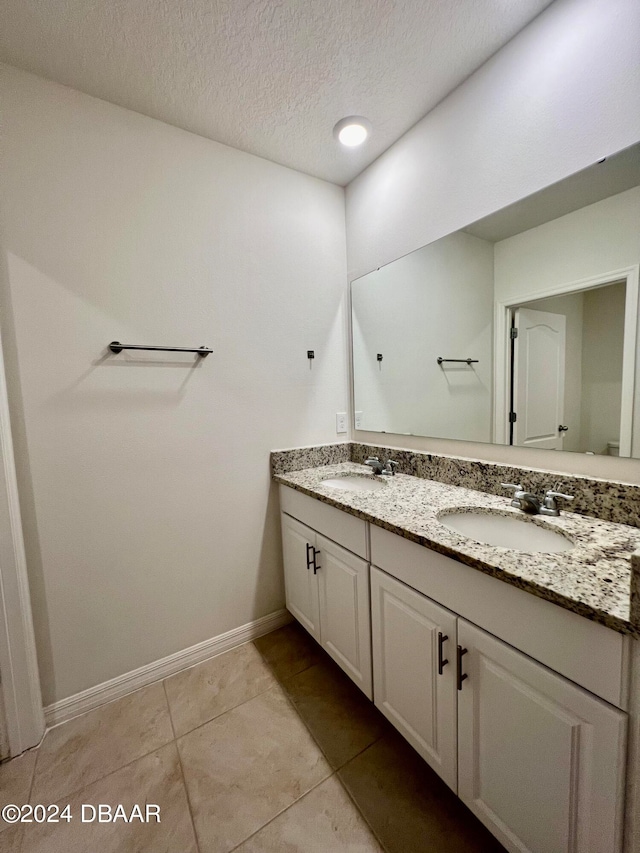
506 532
355 483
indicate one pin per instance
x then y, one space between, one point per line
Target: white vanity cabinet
537 758
414 662
301 584
540 761
518 704
326 584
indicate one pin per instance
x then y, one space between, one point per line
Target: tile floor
268 748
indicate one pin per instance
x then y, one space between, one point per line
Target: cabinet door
413 638
301 586
343 581
540 761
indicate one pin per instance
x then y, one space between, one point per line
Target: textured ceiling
267 76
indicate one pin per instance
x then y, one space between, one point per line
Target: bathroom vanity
506 670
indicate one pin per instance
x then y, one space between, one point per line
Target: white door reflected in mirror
537 406
568 368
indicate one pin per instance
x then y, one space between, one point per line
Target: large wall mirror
520 329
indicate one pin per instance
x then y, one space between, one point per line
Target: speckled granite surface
593 579
309 457
635 589
610 501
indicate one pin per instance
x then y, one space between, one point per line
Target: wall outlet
341 422
358 420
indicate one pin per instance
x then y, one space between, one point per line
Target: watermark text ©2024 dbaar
85 813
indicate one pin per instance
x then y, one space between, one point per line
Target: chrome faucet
378 468
530 503
526 501
550 503
375 464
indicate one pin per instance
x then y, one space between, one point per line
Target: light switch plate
341 422
358 420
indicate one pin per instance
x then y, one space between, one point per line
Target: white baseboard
80 703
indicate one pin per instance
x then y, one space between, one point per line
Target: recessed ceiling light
352 130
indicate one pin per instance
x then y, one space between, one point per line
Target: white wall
398 310
593 241
150 520
563 93
602 344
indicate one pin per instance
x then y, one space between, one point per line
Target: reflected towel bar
459 360
116 346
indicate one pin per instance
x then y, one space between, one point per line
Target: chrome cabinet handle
461 675
315 564
442 662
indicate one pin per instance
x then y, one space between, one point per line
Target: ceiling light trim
352 131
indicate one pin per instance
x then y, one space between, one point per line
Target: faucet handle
550 505
391 466
517 487
551 494
375 464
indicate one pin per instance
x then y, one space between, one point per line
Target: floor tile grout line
334 771
278 682
189 806
305 724
355 802
33 772
162 681
218 716
316 741
353 799
282 811
184 778
21 833
359 753
75 791
174 739
166 699
273 669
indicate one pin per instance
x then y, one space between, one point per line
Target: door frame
20 690
501 352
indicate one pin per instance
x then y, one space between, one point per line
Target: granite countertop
592 579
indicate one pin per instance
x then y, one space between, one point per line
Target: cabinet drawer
585 652
340 527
